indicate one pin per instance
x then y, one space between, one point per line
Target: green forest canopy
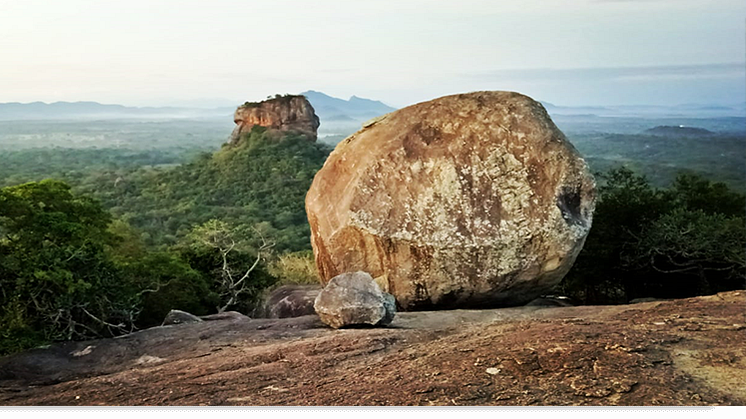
122 248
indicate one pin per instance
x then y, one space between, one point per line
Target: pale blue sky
582 52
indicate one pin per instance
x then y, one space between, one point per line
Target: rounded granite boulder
468 200
354 299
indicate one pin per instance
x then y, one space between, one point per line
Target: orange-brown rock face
467 200
287 113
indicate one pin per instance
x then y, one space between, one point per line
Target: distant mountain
339 117
95 110
330 110
679 130
691 110
355 109
574 110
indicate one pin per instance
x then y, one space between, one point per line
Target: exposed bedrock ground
680 352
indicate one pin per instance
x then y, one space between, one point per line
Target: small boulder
180 317
291 301
354 298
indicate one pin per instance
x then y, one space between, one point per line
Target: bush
235 267
67 272
58 280
646 242
689 252
295 268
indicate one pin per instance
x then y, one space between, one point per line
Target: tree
626 203
56 277
163 280
692 253
696 193
232 282
646 242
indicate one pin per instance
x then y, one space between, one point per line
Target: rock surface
180 317
286 113
666 353
467 200
550 302
290 301
226 315
353 299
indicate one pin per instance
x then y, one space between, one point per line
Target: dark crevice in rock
568 202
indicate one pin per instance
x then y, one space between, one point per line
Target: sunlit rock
467 200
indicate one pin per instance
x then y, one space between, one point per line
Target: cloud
650 85
647 73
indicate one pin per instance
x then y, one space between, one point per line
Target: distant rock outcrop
468 200
283 113
678 130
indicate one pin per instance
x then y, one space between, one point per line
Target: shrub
645 242
57 279
295 268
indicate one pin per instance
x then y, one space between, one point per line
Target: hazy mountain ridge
691 110
334 110
94 110
328 108
356 108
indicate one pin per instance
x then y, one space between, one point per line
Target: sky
224 52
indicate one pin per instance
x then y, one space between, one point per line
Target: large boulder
354 299
467 200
